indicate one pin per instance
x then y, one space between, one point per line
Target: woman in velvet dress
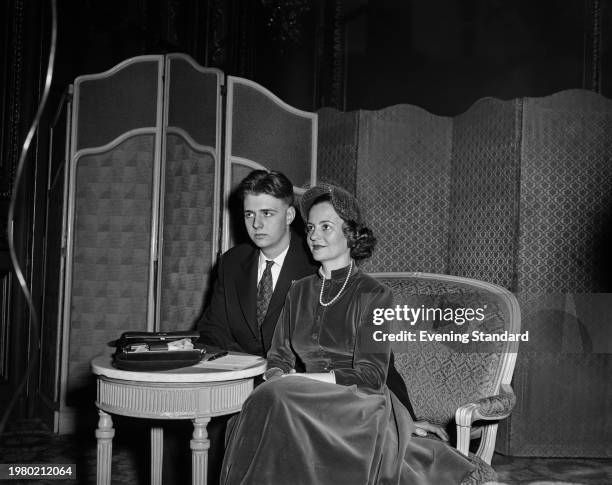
336 423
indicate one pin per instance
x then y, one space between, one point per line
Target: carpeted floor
131 459
543 471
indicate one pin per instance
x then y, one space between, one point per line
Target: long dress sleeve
369 369
281 354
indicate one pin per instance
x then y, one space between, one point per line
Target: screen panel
264 131
190 190
403 174
563 248
188 235
484 192
112 103
338 147
109 267
271 133
193 99
565 197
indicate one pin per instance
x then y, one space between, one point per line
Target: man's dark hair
271 183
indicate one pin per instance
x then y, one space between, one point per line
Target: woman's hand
272 373
424 427
275 372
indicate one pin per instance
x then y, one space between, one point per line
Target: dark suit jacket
230 320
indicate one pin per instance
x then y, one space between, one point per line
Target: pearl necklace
341 289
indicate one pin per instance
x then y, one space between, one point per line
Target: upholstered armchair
455 382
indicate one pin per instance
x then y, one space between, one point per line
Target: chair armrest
488 408
491 408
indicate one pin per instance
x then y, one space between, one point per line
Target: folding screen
139 180
141 212
516 193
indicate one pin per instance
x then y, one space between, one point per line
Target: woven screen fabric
592 310
112 231
337 148
192 100
271 134
566 201
440 377
112 105
563 406
564 252
552 328
187 233
484 196
403 184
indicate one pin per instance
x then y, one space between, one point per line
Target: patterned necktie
264 292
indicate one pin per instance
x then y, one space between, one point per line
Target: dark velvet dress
296 430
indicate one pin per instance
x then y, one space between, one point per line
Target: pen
217 355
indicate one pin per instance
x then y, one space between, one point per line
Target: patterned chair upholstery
454 382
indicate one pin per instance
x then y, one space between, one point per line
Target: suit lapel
247 290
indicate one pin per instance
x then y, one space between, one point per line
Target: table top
230 367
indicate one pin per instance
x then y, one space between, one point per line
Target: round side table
198 393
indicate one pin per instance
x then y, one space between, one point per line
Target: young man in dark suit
253 279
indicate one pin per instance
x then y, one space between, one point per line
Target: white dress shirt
276 267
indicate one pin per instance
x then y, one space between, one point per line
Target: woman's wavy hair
360 239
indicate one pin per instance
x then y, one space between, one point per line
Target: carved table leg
199 451
104 434
157 454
